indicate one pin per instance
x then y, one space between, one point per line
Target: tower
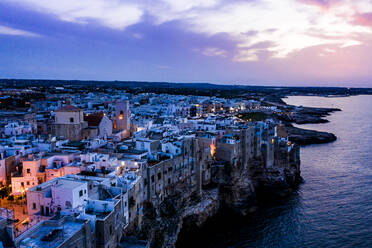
122 115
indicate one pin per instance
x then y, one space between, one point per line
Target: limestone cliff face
162 225
275 181
239 186
235 187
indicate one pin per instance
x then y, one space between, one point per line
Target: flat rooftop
68 183
61 181
52 236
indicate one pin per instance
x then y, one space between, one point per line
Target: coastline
267 193
307 115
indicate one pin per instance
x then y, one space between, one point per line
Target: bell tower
122 115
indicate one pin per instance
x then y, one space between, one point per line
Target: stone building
37 170
108 221
229 149
60 194
29 177
8 166
205 153
162 176
101 123
241 145
69 123
122 117
248 143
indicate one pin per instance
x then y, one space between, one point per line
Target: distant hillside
208 89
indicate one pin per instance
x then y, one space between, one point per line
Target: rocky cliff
236 188
184 210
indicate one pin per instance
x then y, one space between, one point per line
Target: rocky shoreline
307 115
309 137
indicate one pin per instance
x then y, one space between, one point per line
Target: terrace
51 233
101 209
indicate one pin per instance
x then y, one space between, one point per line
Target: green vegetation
254 116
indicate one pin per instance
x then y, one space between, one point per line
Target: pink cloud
363 19
324 4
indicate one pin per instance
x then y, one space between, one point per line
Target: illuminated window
121 116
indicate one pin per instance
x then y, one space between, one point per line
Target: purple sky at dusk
255 42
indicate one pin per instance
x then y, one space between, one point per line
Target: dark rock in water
308 137
307 115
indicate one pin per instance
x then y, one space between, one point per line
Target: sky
252 42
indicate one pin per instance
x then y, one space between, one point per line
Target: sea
332 208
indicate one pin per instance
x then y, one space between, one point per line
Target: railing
21 228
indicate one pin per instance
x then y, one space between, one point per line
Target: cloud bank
262 31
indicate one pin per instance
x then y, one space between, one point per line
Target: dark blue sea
332 208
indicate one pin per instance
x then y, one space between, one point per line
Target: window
22 184
145 181
28 183
71 119
28 170
152 178
159 176
33 205
80 193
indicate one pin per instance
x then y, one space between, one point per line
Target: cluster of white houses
88 181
